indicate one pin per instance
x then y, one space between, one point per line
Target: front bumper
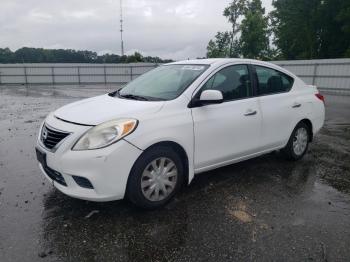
107 169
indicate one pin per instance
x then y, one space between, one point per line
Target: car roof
218 61
211 61
222 61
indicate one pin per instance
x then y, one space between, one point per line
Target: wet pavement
265 209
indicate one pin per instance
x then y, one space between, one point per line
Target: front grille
51 137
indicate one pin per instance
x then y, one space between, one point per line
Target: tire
302 133
147 175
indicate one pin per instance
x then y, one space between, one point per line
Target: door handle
250 112
296 105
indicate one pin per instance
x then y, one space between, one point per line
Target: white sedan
148 139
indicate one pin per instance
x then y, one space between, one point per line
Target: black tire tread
133 191
288 150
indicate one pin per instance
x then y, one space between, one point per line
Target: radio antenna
121 28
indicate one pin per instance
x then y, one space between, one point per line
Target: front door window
233 81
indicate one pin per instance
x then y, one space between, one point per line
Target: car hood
96 110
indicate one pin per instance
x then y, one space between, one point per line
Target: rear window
271 81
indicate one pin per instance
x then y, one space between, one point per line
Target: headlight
105 134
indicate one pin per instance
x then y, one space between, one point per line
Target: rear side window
232 81
271 81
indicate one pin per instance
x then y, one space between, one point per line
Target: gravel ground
264 209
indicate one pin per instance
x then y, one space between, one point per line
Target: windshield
163 83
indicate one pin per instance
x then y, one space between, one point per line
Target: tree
212 49
334 28
344 18
40 55
254 40
233 12
220 47
235 49
225 44
136 57
311 29
6 56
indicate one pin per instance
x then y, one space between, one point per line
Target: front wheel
298 142
155 177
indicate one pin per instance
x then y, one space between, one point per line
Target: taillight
321 97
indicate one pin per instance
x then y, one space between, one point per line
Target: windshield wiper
134 97
129 96
114 93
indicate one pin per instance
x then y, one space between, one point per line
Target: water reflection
118 232
299 177
199 217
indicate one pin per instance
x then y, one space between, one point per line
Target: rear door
278 106
229 130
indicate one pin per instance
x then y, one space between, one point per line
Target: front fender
174 126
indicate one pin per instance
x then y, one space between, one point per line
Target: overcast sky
173 29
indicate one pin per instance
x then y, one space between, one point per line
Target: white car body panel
222 132
96 110
98 166
211 136
172 124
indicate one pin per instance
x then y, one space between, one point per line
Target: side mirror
211 97
207 97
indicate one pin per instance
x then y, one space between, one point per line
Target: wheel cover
159 179
300 140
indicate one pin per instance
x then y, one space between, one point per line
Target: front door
229 130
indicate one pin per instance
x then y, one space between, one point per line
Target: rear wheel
298 142
155 177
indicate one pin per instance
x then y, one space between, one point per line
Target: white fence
54 74
328 74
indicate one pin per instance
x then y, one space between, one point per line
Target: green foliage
254 41
233 13
40 55
220 47
6 55
301 29
225 44
235 48
311 29
212 50
294 26
334 29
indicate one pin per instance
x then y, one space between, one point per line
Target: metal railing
331 74
77 74
326 74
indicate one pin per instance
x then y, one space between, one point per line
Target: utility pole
121 28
